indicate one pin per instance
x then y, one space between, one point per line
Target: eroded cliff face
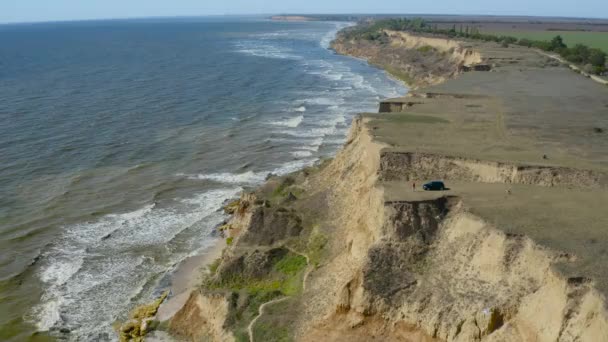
455 50
430 270
404 166
416 269
203 318
417 60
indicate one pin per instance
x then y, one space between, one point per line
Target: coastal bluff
348 250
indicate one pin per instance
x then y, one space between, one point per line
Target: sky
58 10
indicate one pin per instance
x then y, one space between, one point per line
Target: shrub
291 265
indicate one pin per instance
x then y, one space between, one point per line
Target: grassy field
592 39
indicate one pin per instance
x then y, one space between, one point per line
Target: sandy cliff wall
402 270
412 165
417 60
456 51
203 318
429 270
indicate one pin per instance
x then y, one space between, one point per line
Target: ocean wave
267 50
273 35
300 109
324 101
301 153
248 177
293 166
329 36
335 141
313 146
333 76
253 178
312 132
95 262
331 121
293 122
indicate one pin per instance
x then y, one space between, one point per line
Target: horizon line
295 14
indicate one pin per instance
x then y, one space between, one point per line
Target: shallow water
120 140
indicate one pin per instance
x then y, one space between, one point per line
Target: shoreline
179 268
439 259
187 276
189 273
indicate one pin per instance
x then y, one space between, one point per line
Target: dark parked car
434 185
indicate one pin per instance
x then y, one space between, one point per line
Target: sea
121 139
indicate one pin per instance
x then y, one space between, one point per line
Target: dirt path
260 313
575 68
274 301
308 270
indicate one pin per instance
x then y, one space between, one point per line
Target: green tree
597 58
557 43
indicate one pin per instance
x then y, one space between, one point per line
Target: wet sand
187 277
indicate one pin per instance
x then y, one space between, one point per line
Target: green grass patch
284 188
284 279
425 48
246 314
271 333
291 265
399 74
229 241
278 322
281 190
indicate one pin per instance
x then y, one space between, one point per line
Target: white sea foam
265 49
329 36
293 122
331 121
108 260
335 141
293 166
273 35
47 314
93 262
312 132
317 142
301 153
333 76
248 177
324 101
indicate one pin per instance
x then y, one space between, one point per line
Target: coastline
423 265
187 276
164 208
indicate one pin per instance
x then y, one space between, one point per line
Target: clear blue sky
49 10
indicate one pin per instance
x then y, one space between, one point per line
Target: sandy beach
187 276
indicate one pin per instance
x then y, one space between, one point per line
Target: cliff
348 251
422 267
417 60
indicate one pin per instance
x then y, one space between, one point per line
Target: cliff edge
348 250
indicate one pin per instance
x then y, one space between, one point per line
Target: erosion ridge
346 251
417 60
